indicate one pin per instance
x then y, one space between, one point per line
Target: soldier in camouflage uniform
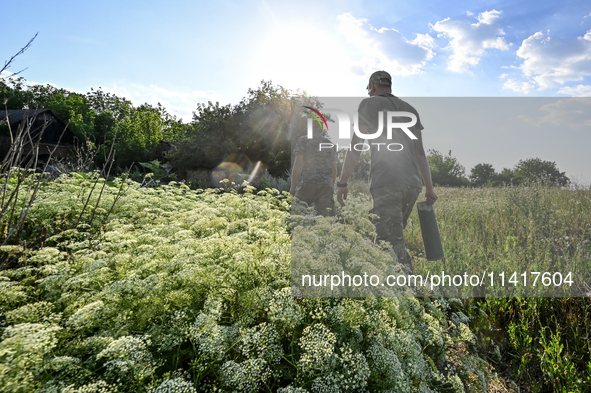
396 177
318 171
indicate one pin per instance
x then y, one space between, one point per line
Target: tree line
256 129
447 171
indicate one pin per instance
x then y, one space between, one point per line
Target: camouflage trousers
321 195
393 206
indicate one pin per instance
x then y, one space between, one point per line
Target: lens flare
236 169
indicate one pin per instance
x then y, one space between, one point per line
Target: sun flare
307 58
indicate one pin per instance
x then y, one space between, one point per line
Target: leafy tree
482 174
256 129
209 139
536 169
506 177
446 170
264 118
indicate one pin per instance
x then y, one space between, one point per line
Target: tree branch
20 52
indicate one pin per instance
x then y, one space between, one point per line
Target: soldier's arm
430 194
298 165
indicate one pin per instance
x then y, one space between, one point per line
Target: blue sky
183 52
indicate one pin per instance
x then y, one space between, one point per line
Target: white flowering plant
182 291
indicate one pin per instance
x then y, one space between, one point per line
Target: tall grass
533 228
542 342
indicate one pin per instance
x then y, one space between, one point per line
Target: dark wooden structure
162 150
40 128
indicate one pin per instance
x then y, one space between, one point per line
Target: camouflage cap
380 78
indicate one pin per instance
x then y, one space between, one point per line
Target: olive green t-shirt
390 167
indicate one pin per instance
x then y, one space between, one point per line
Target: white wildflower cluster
214 307
247 376
66 368
87 316
409 352
457 384
326 384
211 339
326 248
11 294
175 385
205 278
329 370
284 311
128 357
434 333
353 371
47 255
466 334
99 386
261 341
175 332
291 389
476 372
386 369
380 322
37 312
317 344
60 363
23 350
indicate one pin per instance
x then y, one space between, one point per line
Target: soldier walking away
396 177
318 171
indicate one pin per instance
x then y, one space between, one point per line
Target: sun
305 57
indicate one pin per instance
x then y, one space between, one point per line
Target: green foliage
543 342
100 118
446 170
506 177
256 128
361 170
269 181
482 174
527 171
158 172
535 169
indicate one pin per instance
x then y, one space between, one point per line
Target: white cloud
385 48
469 41
567 112
517 86
178 103
576 91
6 74
549 61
